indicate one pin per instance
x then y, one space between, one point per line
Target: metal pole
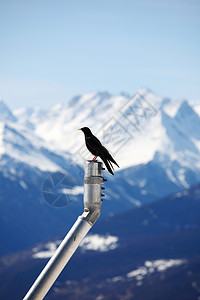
93 182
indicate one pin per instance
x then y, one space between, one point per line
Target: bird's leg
94 158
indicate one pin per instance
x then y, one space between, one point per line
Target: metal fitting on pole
93 182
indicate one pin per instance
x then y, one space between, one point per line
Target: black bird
97 149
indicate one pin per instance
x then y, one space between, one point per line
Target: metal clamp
93 182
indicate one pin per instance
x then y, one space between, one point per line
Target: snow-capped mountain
156 142
25 166
136 130
58 125
21 145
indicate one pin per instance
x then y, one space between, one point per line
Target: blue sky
53 50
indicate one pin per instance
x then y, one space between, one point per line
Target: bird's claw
94 159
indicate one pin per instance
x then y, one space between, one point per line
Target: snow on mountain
158 265
28 116
155 141
136 130
58 126
188 120
20 145
25 165
93 242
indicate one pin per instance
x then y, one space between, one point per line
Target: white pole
58 261
92 207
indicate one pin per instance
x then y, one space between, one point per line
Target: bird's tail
109 157
108 165
113 161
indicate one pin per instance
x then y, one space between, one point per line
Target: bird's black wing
93 145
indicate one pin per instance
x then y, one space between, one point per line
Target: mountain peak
186 112
188 120
5 112
184 109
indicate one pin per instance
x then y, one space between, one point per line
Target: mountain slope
154 254
155 141
25 216
137 130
